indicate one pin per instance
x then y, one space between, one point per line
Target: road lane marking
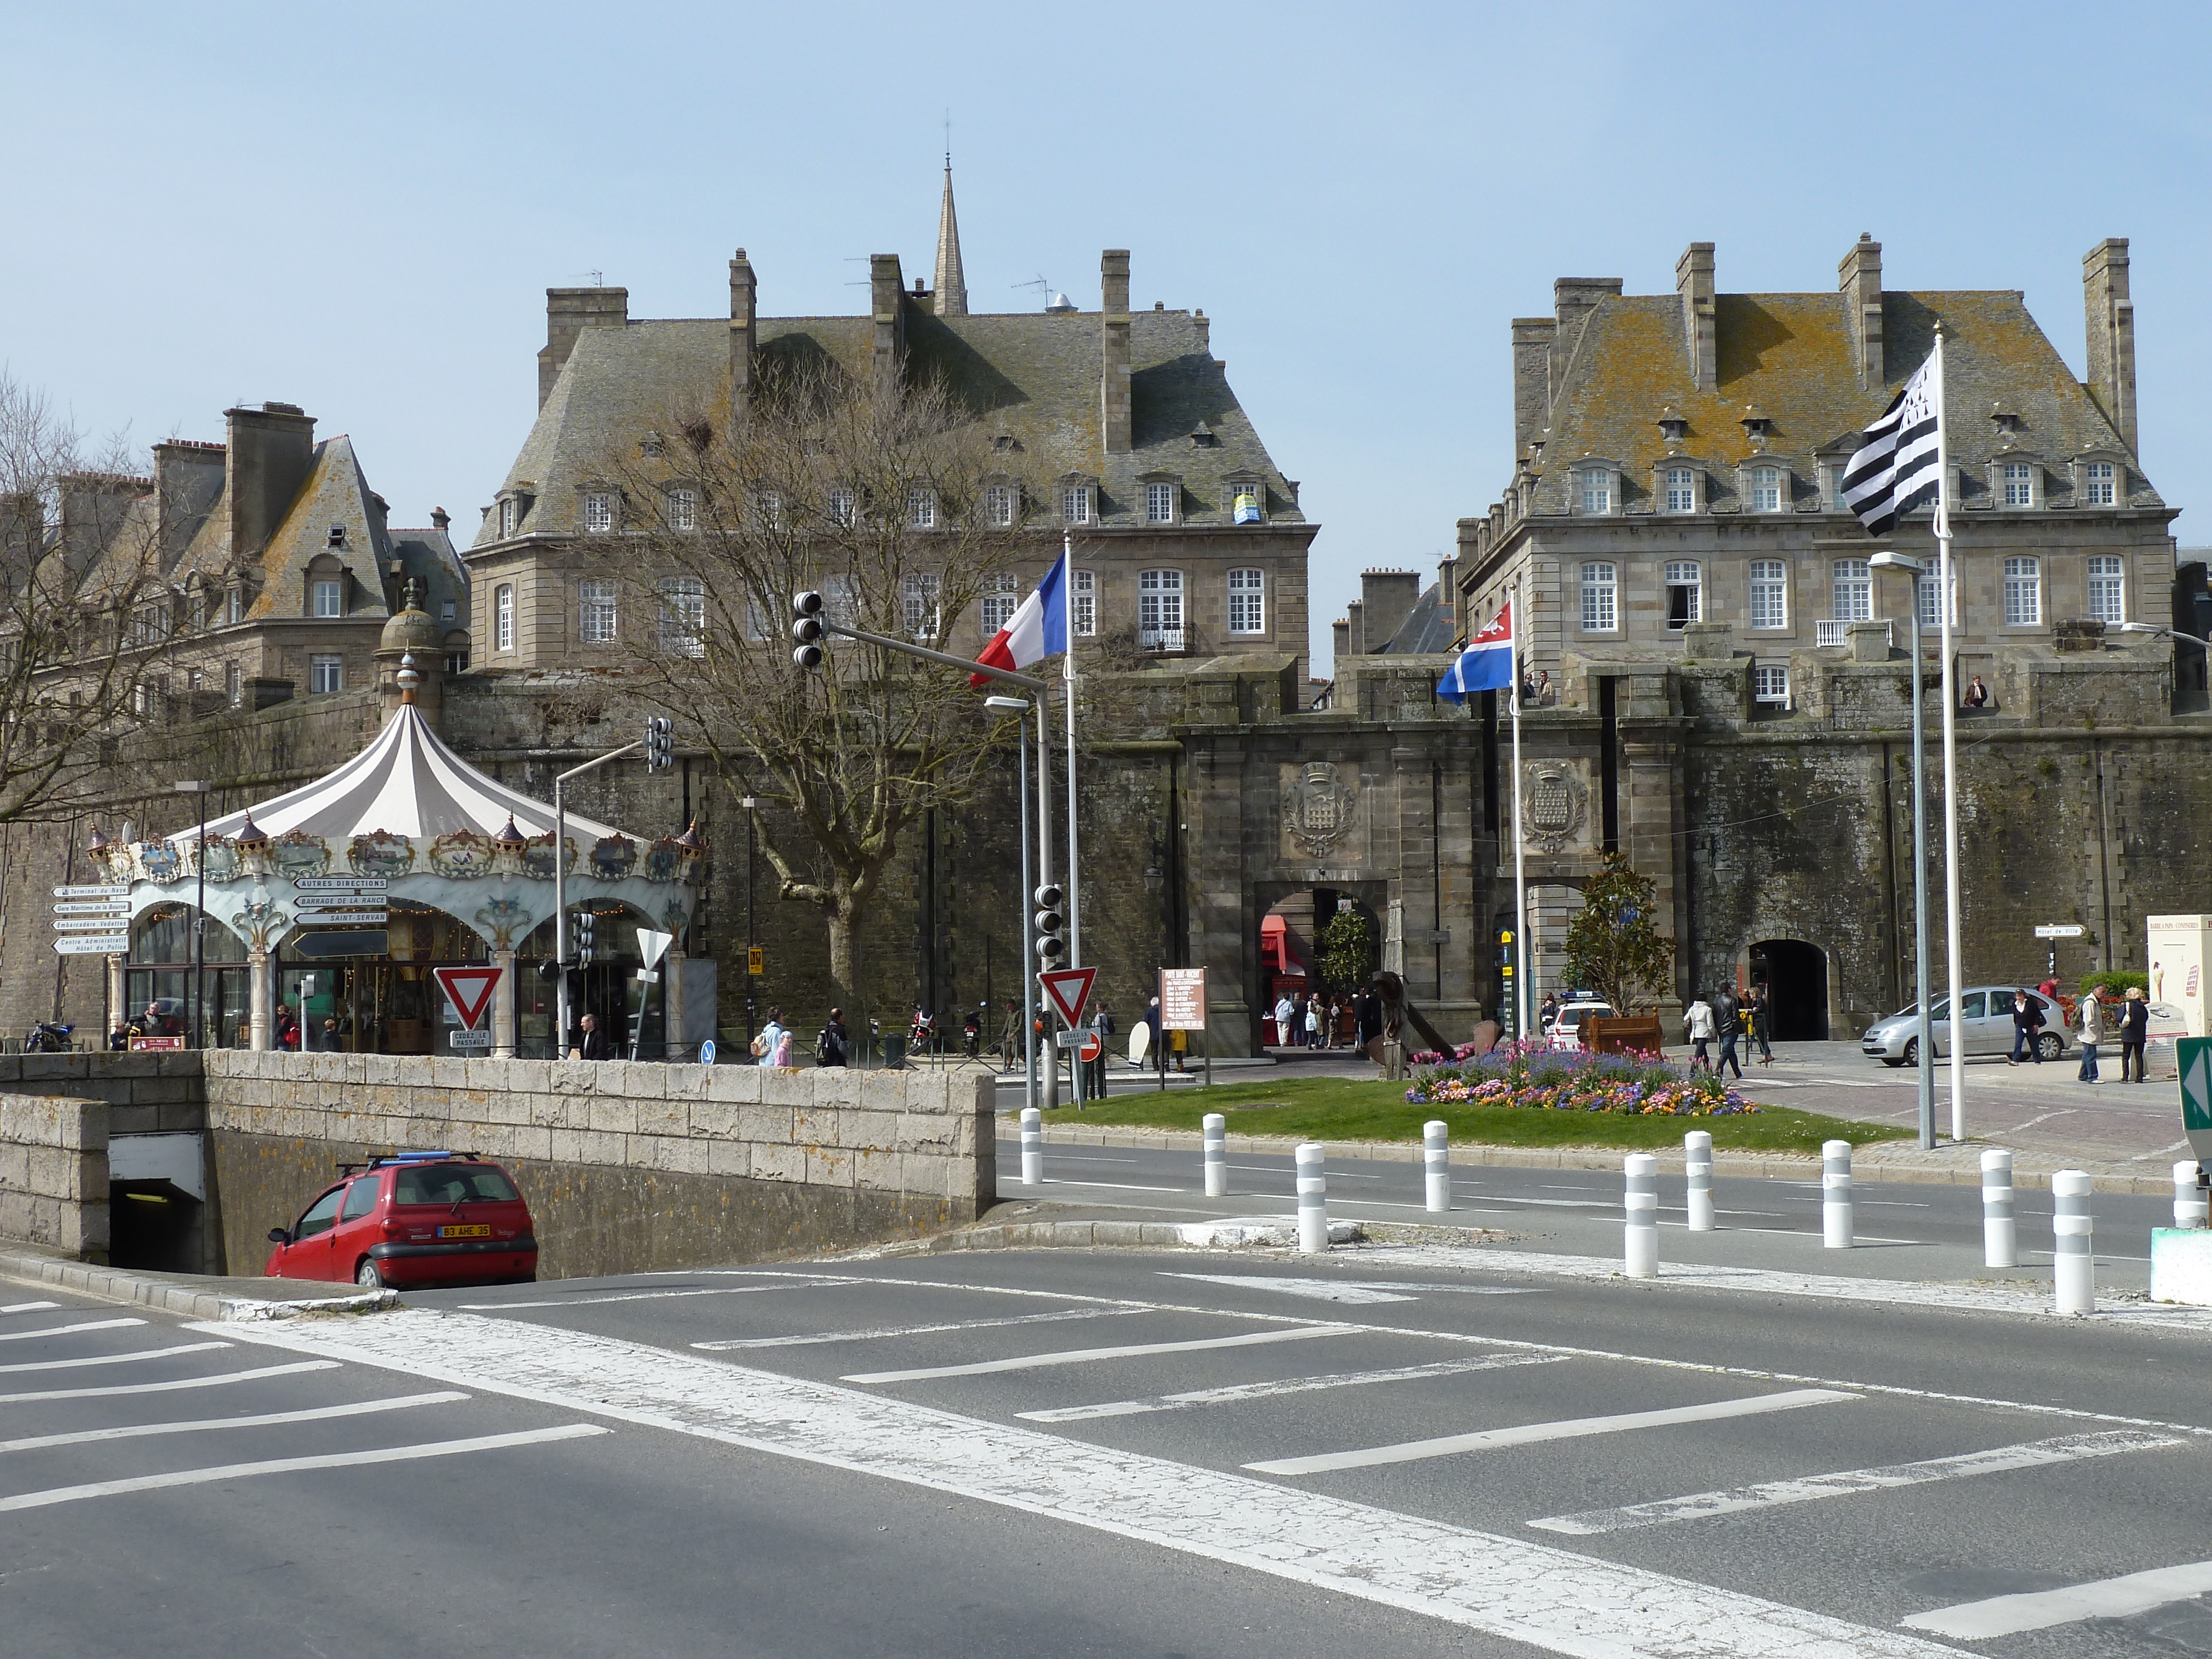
1178 1402
2034 1453
34 1500
1526 1434
139 1430
808 1340
1319 1289
113 1358
2107 1598
1114 1186
1508 1587
1087 1356
542 1305
66 1330
167 1388
29 1306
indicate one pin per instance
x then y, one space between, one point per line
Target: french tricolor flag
1037 631
1486 664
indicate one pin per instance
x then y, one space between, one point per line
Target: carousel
468 871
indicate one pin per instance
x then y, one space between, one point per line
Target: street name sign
79 944
1067 989
470 990
1182 998
95 889
2060 930
365 943
340 884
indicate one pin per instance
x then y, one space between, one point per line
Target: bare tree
84 610
887 499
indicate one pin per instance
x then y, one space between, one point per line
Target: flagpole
1067 673
1520 851
1048 1061
1953 971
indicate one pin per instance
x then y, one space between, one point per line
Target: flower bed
1535 1076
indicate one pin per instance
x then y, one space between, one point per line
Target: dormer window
600 511
1835 472
1000 503
2099 485
1756 426
328 596
337 535
1679 487
2003 419
1201 436
1766 489
840 507
1244 498
921 509
683 509
1672 427
2016 483
1005 443
1597 490
1078 501
1159 503
510 512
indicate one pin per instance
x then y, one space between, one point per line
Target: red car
414 1219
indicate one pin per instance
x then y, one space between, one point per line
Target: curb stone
1180 1235
175 1294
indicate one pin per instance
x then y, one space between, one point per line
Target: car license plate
477 1231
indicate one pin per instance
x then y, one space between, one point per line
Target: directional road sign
2061 930
87 924
93 908
80 945
2192 1059
1067 989
362 944
95 889
340 884
345 918
470 990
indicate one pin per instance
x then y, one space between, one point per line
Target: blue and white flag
1486 664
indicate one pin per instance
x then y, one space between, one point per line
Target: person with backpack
830 1048
774 1038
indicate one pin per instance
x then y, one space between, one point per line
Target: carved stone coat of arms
1319 809
1554 804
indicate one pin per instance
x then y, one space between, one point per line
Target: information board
1182 998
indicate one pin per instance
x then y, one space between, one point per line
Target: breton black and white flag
1895 467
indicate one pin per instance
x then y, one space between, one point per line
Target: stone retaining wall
53 1173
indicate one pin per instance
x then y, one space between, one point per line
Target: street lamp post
1926 1058
750 803
200 787
1019 708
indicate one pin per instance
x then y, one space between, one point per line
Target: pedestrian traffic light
581 922
1051 920
806 629
659 744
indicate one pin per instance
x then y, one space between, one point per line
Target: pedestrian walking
2134 1032
1697 1026
1548 1014
1313 1022
774 1039
1283 1020
592 1044
1010 1040
1728 1024
1762 1023
832 1046
2092 1016
1102 1023
2026 1022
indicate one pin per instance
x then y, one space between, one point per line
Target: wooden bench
1622 1034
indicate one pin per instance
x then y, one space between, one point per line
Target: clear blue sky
358 209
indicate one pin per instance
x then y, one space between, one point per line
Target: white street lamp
1019 708
1926 1058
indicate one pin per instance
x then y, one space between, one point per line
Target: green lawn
1351 1108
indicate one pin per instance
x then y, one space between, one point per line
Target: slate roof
1427 629
1793 357
1034 377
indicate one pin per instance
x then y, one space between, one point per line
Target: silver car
1895 1041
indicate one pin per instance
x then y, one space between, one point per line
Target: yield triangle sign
1068 988
469 989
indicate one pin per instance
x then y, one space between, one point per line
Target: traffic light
659 744
1051 919
581 923
806 629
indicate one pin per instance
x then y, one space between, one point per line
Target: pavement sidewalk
194 1295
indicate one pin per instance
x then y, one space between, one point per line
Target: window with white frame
1159 503
1851 592
1684 593
235 683
599 511
1597 491
1159 610
1928 598
918 604
683 509
1075 503
841 506
1001 594
1836 474
326 673
506 516
684 616
1601 598
2108 587
841 600
595 611
2018 480
1770 684
999 505
921 509
1766 489
2023 593
329 597
1248 605
1681 490
1770 594
233 604
1085 596
502 616
2101 484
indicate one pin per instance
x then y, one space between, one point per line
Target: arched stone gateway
1799 984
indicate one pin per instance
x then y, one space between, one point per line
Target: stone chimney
2112 319
1113 337
1355 630
1341 638
1533 338
742 319
1387 598
568 313
271 450
1693 281
1859 279
440 518
887 306
1447 588
187 483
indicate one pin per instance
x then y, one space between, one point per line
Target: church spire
951 285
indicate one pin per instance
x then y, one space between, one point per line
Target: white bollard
1216 1155
1313 1201
2189 1198
1698 1166
1032 1147
1836 1194
2000 1242
1435 1153
2073 1269
1641 1201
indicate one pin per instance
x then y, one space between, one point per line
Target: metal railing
1838 633
1159 638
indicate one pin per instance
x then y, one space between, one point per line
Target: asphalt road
1109 1453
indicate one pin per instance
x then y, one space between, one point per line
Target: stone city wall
53 1173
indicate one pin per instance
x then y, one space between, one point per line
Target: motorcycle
47 1037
